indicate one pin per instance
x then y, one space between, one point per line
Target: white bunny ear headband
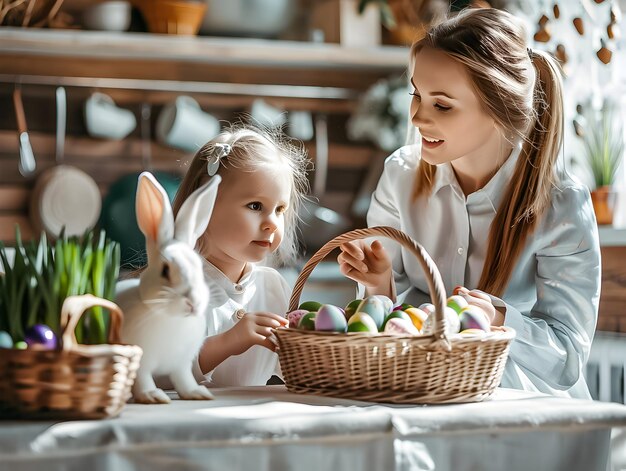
219 152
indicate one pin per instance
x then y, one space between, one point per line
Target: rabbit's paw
156 396
199 392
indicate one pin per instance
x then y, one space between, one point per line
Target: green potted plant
603 137
43 274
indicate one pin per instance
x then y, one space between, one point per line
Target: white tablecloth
268 428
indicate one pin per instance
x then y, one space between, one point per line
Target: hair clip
219 152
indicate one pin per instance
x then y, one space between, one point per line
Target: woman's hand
368 265
480 299
254 328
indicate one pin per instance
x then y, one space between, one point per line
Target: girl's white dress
553 294
260 289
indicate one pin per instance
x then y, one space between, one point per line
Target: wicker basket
75 381
388 368
35 13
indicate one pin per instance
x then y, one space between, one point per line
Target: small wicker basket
435 368
75 381
34 13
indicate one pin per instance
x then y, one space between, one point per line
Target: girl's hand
480 299
367 264
254 328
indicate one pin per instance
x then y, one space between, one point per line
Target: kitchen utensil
64 197
27 164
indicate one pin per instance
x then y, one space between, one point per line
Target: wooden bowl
172 16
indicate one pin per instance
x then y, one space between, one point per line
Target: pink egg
294 317
400 326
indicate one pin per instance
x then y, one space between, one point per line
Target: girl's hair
252 148
522 91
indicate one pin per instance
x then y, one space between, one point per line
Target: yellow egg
418 317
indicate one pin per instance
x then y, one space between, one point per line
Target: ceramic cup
108 16
183 125
105 120
265 114
300 125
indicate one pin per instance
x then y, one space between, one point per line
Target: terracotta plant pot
603 200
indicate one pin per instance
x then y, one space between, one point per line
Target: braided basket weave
434 368
75 381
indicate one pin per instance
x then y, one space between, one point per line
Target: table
268 428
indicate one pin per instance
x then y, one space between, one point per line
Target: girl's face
447 112
248 220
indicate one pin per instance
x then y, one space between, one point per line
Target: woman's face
447 112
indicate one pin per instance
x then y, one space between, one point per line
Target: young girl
255 214
483 194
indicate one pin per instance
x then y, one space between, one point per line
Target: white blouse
260 289
552 297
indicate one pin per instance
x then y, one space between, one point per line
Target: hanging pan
64 196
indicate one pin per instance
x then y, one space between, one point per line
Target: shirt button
460 250
238 288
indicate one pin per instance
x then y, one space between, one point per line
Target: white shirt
552 297
260 289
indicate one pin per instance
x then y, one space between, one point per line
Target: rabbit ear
154 212
194 215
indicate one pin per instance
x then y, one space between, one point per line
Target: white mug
264 114
183 124
104 119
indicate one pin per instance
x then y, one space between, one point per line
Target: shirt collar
217 276
444 176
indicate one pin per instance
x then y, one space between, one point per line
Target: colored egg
311 306
40 336
402 307
307 322
294 317
457 302
5 340
362 322
21 345
330 318
400 326
395 315
478 332
428 308
351 307
473 317
452 319
373 306
417 316
387 303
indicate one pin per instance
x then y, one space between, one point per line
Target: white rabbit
164 308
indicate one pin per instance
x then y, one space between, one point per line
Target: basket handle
73 309
433 277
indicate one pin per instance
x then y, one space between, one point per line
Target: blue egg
5 340
373 306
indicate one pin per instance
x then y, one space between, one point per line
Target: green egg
21 345
351 308
312 306
307 322
362 322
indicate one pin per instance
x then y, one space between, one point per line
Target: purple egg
330 319
40 336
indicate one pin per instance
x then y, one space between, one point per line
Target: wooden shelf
198 49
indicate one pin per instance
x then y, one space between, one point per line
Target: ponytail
528 195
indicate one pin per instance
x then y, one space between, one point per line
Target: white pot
259 18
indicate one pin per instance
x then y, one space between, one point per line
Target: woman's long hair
522 91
